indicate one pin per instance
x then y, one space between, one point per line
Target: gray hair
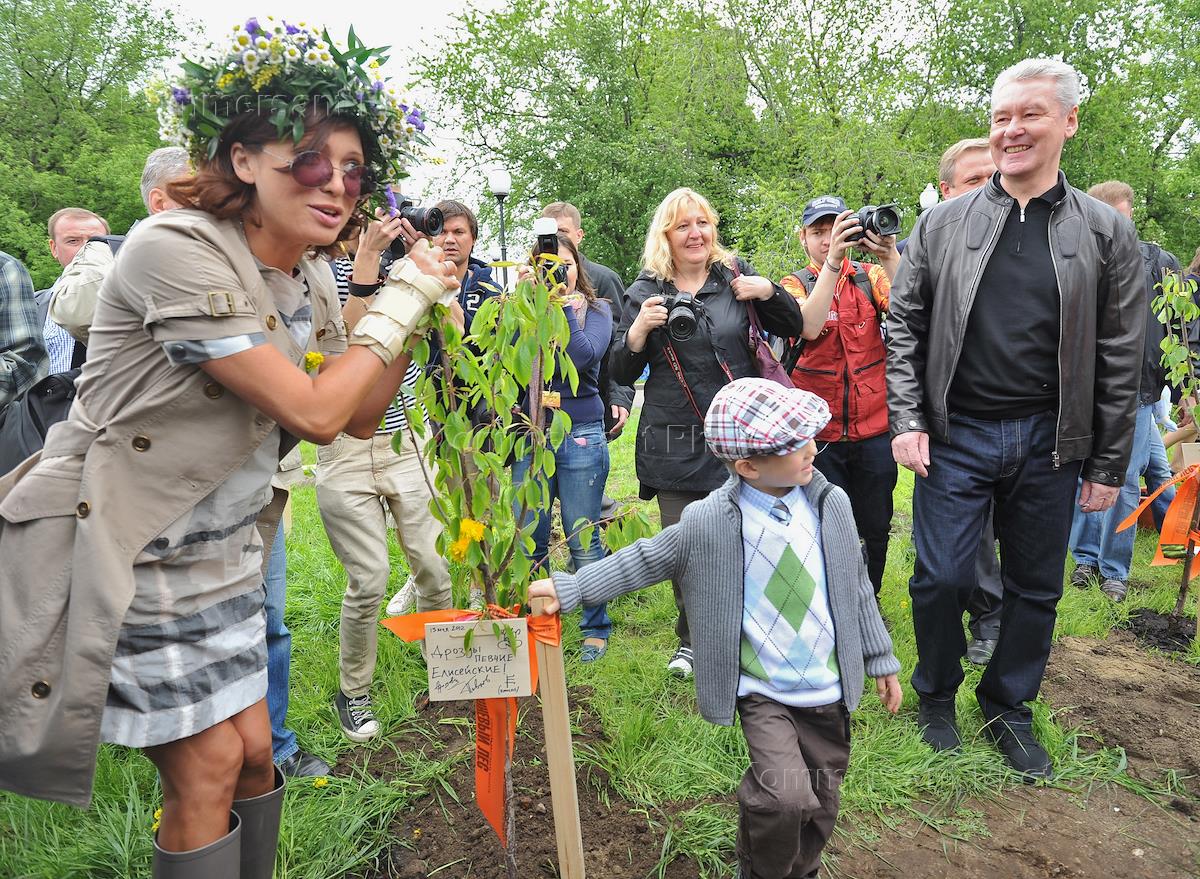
1066 79
162 166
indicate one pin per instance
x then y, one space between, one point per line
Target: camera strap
677 368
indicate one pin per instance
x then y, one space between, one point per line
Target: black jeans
866 471
1008 462
670 508
986 599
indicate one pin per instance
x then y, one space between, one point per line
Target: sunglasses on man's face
313 170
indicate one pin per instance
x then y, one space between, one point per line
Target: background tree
77 126
761 105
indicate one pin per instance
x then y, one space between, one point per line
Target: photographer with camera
840 357
688 319
581 460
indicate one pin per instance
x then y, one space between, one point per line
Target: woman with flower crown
131 590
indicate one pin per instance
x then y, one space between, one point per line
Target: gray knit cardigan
703 554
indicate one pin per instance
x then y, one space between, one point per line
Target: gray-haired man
1015 339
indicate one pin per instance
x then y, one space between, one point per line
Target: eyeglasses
312 170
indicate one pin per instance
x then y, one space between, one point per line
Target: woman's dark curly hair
216 189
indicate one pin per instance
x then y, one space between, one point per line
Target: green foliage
518 341
1177 309
762 105
77 128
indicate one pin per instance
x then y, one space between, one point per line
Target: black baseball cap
822 206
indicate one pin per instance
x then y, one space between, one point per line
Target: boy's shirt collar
766 502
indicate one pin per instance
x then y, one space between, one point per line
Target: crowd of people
258 306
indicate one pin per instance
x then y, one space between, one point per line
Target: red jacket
845 364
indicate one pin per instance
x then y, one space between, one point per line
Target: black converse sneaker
357 719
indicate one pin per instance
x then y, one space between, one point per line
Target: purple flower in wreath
182 96
404 108
252 26
291 28
359 96
414 119
377 85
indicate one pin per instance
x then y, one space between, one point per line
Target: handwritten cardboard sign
488 670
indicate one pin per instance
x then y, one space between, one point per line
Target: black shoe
980 650
357 719
1084 576
1114 588
1020 749
304 765
936 719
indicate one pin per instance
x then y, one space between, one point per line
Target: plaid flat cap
754 416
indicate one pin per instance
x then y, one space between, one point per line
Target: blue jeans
279 652
866 471
1095 540
580 471
1158 471
1009 463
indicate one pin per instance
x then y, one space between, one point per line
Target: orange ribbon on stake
495 719
1177 524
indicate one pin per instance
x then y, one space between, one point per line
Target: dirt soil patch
446 837
1162 631
1034 833
1125 697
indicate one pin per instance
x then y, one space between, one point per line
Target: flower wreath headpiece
281 69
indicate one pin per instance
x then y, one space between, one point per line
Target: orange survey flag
495 719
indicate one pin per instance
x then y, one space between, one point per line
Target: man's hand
544 589
911 450
752 287
844 226
1097 498
883 248
620 414
888 688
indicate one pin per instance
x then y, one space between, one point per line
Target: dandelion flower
320 781
313 360
471 528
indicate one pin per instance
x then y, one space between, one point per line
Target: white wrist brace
403 300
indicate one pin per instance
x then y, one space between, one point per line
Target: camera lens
425 220
681 323
885 220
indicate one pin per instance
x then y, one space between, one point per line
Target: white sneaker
681 663
404 601
476 601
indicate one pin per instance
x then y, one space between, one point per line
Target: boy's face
781 471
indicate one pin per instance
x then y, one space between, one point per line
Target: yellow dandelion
471 529
154 827
157 814
416 832
458 549
320 782
313 360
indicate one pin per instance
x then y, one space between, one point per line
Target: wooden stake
564 797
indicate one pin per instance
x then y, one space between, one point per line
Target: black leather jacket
1102 295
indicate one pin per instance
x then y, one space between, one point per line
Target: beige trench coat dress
130 566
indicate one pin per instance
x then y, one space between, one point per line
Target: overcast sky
407 27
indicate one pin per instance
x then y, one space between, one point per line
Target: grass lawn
658 750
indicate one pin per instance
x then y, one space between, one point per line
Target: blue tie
780 513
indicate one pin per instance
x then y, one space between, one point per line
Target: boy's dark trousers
788 798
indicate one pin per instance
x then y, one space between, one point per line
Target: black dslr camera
424 220
882 220
553 272
683 313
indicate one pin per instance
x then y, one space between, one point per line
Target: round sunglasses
313 170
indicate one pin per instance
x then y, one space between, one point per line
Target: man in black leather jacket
1015 340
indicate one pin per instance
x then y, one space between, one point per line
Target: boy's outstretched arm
642 563
888 688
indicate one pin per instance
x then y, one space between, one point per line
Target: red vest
845 364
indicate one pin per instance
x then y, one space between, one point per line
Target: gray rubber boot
220 858
260 830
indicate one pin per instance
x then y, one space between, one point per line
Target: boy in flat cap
783 613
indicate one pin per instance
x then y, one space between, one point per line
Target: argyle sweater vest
787 648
